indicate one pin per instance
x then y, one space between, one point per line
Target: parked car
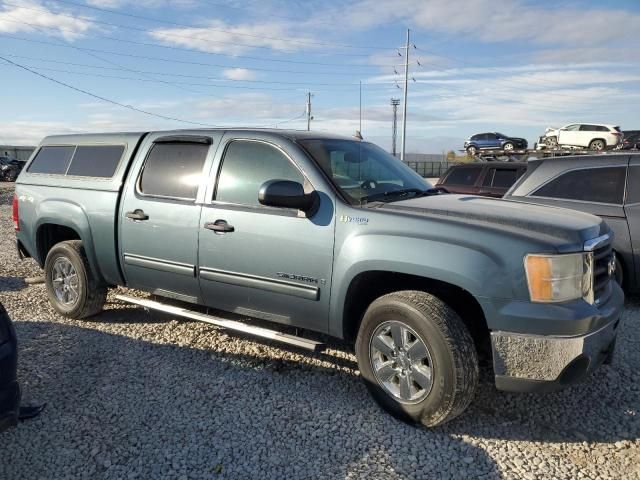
493 141
10 168
327 234
582 135
9 388
491 179
631 140
604 185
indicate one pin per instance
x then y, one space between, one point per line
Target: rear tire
451 357
508 146
72 288
597 145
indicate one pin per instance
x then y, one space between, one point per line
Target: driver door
270 263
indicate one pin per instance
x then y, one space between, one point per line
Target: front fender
67 214
463 264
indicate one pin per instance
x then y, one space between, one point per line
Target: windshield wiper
392 194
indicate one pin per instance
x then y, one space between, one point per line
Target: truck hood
565 229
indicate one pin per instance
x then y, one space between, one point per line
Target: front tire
417 357
472 150
72 288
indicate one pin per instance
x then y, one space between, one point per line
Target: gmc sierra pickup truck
327 234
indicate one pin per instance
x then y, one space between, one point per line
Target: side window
588 128
475 137
96 161
463 176
246 166
572 128
491 136
52 160
504 177
633 185
602 185
173 170
488 178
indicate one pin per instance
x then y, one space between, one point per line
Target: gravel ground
135 395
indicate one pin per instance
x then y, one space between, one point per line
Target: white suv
585 135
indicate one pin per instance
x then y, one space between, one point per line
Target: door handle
219 226
137 214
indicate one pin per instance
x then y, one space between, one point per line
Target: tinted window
475 137
173 170
604 185
491 136
504 178
589 128
52 160
633 185
246 166
572 128
463 176
96 161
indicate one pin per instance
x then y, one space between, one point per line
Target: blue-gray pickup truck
327 234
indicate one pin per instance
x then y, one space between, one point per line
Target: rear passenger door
160 215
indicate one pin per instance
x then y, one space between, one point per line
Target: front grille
602 256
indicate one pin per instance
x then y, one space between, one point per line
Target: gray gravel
135 395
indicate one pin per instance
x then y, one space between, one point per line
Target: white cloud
239 74
220 37
498 20
114 4
34 17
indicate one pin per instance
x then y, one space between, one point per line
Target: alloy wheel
401 362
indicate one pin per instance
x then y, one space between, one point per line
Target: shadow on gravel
12 284
120 406
604 408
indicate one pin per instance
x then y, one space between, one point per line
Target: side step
227 324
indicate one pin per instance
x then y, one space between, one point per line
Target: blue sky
485 65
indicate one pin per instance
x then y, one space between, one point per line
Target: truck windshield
364 172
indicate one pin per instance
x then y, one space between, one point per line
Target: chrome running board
227 324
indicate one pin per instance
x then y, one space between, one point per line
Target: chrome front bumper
530 363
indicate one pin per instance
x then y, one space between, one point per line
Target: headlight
559 278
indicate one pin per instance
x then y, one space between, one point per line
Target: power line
196 50
105 99
201 52
187 62
261 37
184 75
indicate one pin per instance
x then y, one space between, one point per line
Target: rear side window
246 166
173 170
52 160
500 177
601 185
96 161
463 176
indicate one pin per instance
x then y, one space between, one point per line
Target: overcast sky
484 65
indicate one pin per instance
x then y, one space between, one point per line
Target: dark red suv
491 179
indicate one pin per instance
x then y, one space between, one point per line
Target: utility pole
394 135
309 117
360 129
404 107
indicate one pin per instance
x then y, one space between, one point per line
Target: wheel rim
65 281
401 362
508 146
472 150
597 145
